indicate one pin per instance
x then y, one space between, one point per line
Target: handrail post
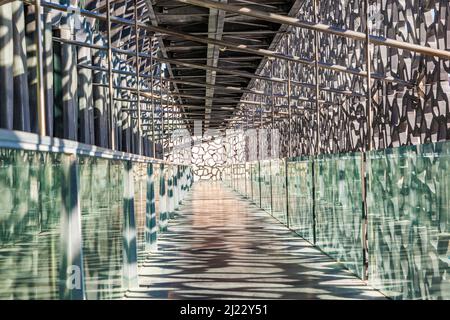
316 152
367 145
138 93
42 129
289 154
110 76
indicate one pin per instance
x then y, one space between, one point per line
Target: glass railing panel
266 188
140 204
248 180
31 200
408 205
339 208
255 182
278 168
300 191
101 202
241 180
162 212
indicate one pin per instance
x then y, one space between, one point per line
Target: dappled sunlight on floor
220 246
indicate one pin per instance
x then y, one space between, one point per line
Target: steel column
137 66
110 76
40 94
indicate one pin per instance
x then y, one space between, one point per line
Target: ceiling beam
215 29
319 27
154 21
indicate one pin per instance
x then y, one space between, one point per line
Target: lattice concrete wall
402 114
209 158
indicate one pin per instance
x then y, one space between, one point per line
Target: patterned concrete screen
412 109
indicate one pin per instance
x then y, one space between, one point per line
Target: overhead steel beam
227 45
319 27
215 28
154 21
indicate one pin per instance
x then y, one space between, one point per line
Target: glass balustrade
77 223
408 200
408 221
30 228
300 192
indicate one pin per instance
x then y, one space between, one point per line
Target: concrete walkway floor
220 246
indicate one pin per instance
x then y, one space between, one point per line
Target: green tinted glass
409 202
278 168
255 182
339 209
266 187
30 198
300 191
140 201
101 193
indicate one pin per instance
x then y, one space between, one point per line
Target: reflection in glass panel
409 235
140 201
240 177
300 186
248 180
255 182
101 190
30 197
162 213
279 190
156 175
266 188
339 208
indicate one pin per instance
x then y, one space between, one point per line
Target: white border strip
21 140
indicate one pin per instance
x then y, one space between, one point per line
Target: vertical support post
162 113
170 192
176 193
272 100
162 199
367 143
287 191
251 182
130 276
170 119
232 175
259 183
110 76
260 115
289 98
317 134
40 94
289 129
72 285
152 99
245 157
151 230
137 66
260 146
272 113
